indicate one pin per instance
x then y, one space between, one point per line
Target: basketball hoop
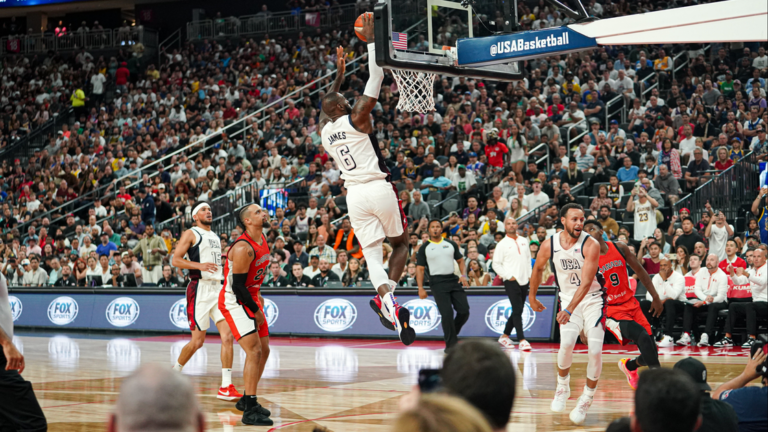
415 90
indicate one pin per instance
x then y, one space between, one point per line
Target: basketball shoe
506 342
632 376
685 340
579 414
403 325
376 306
228 393
524 346
240 406
562 394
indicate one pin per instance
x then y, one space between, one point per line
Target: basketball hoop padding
415 90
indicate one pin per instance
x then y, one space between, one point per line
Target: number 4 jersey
567 265
357 154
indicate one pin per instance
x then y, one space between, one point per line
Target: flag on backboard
399 41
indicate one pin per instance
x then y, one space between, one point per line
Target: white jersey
206 249
645 220
357 154
567 267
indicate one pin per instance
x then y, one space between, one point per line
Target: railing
23 148
174 39
91 40
727 191
618 100
568 140
279 22
536 213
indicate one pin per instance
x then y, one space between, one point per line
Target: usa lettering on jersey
337 136
570 264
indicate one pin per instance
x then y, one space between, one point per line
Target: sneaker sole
407 334
385 322
528 348
265 422
227 398
623 368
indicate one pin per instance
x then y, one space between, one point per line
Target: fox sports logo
178 314
63 310
335 315
270 312
122 311
497 315
16 307
424 315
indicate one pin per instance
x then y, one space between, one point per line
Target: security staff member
512 262
437 257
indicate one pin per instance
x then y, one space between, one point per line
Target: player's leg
251 344
595 332
198 338
569 334
227 390
648 353
199 309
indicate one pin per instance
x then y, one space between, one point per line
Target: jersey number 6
346 158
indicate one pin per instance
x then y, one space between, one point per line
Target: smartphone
429 380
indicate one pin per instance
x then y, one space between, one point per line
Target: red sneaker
375 304
632 376
228 393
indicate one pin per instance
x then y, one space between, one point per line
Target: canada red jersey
258 268
495 153
613 266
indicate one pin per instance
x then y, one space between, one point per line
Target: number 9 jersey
357 154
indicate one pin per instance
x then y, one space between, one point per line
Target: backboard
417 34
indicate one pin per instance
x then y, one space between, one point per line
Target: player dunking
374 208
574 257
241 304
203 250
625 319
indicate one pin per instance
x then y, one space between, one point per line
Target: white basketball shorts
588 314
203 304
375 212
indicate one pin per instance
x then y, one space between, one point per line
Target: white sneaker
562 394
684 340
666 342
506 342
704 341
613 327
579 414
524 346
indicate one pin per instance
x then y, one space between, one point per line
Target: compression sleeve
373 86
241 292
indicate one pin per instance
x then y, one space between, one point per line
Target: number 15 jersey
357 154
567 265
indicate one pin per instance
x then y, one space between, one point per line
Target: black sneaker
240 406
724 343
255 418
376 306
749 343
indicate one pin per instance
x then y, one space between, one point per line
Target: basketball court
346 385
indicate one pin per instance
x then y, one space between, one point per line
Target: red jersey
613 266
495 154
738 262
258 268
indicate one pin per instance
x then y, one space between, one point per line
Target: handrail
171 39
24 141
608 112
569 141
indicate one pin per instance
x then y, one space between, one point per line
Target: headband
199 206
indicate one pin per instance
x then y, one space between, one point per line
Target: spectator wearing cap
716 416
36 276
152 249
759 143
147 207
697 170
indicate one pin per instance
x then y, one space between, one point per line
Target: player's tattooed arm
361 114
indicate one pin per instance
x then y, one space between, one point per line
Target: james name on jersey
337 136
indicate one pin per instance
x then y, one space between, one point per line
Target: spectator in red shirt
731 258
229 112
121 76
293 112
723 161
555 102
495 149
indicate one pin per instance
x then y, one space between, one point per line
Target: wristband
566 311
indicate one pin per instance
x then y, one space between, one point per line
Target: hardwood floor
344 385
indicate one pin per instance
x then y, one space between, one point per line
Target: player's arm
591 250
657 307
542 259
185 242
341 67
241 255
361 112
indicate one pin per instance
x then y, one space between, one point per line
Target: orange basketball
359 26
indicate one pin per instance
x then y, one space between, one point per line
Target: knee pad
595 337
568 337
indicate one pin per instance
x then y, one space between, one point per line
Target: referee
437 257
512 262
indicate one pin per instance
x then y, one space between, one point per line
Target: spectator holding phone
749 402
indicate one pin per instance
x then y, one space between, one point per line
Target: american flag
400 41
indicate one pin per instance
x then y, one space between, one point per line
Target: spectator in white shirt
758 280
711 289
537 198
671 288
512 262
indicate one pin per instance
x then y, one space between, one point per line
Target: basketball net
415 90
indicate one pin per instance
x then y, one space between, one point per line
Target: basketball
359 26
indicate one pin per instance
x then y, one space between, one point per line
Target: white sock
226 377
178 367
388 306
589 392
566 380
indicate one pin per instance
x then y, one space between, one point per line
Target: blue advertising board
505 48
287 314
22 3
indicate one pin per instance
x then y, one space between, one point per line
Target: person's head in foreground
441 413
155 398
666 400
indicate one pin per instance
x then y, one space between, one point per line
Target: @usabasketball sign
497 315
122 311
62 310
424 315
335 315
